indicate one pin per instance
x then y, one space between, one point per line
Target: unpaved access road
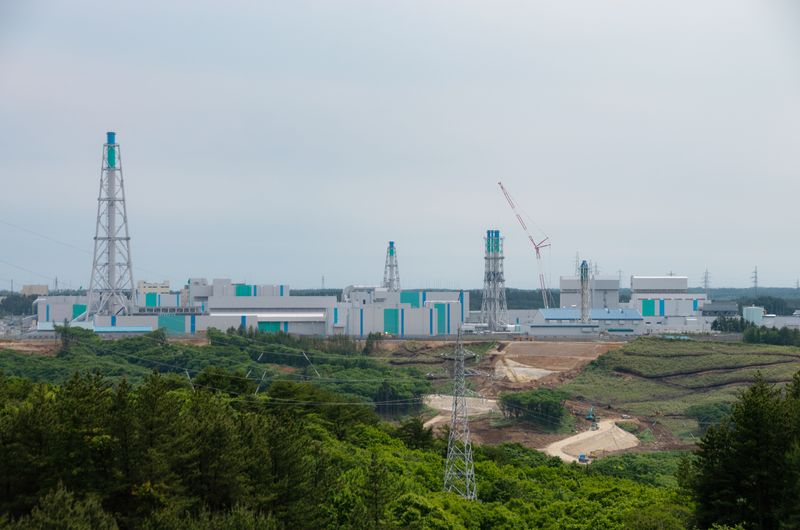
607 437
444 404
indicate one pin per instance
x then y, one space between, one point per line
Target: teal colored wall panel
648 308
78 310
661 307
172 323
441 319
390 317
151 300
244 290
269 327
410 297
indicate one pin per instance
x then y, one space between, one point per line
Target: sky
280 142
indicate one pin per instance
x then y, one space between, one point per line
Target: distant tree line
729 324
517 298
17 304
771 304
765 335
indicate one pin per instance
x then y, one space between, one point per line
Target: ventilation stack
111 285
494 310
391 272
584 272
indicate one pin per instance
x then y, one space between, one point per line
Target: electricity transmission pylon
459 471
391 271
111 284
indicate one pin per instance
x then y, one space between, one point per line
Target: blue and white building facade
566 323
223 304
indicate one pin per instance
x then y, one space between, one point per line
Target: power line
74 247
26 270
43 236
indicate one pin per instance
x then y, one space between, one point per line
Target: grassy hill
685 385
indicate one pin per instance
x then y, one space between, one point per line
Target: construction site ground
607 438
524 365
513 366
33 347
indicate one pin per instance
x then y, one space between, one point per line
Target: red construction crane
537 247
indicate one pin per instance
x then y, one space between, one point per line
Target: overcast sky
274 142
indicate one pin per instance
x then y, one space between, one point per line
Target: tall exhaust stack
584 270
391 271
494 310
111 284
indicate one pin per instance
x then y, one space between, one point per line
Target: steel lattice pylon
459 471
494 310
111 284
391 272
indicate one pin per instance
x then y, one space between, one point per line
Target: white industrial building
567 322
603 292
223 304
664 296
666 305
759 316
152 287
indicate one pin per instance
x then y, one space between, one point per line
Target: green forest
161 455
271 431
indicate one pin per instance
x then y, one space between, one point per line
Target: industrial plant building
589 305
222 304
567 322
666 305
603 292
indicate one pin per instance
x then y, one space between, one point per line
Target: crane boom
537 246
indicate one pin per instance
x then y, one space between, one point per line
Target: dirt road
608 437
444 403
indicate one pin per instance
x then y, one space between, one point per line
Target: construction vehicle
582 459
590 414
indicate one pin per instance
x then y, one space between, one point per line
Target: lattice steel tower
391 272
494 310
111 284
459 471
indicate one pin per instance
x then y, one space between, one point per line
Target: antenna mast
537 247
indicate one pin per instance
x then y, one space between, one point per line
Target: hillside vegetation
681 383
258 358
96 454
